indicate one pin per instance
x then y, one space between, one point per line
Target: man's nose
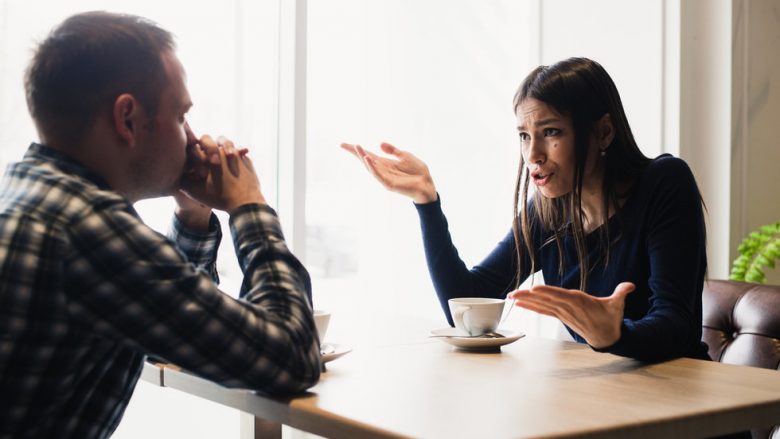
191 139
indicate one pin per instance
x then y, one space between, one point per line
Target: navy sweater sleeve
674 239
494 277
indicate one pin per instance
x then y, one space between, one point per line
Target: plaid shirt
87 290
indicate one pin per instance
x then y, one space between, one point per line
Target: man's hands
405 173
218 176
193 214
596 319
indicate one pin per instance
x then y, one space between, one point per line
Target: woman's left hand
596 319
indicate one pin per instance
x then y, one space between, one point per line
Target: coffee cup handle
458 316
506 315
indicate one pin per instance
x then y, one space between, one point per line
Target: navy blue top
661 249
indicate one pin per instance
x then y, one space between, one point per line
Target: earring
603 152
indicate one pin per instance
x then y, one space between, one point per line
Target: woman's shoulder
666 177
666 167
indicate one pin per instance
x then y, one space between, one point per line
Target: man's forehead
176 79
173 67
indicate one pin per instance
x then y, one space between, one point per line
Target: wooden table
402 384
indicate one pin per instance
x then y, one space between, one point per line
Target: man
86 289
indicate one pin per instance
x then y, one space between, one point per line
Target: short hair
85 63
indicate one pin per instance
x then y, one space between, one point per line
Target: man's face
163 153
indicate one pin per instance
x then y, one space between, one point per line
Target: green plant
757 251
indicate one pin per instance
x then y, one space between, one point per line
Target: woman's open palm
597 319
403 173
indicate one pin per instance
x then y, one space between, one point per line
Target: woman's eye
551 131
524 137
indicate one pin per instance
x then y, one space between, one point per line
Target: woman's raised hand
403 173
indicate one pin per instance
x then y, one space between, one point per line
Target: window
435 78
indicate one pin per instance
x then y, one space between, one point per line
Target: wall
728 70
705 115
755 185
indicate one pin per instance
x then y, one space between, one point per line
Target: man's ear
126 118
605 131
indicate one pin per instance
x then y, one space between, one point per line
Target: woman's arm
407 175
495 276
676 248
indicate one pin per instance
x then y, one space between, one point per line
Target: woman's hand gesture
596 319
404 173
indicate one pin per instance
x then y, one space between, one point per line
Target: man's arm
199 241
130 284
135 287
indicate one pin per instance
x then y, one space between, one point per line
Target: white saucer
339 350
451 336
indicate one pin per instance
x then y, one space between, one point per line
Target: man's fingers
227 145
211 149
196 154
229 153
232 158
207 142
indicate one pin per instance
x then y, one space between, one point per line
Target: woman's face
547 143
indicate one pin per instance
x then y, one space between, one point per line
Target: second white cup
321 321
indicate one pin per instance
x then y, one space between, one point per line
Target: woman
619 237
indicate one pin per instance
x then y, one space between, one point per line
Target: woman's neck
592 199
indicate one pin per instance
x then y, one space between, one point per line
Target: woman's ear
126 118
605 131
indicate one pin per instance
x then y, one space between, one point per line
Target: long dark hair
582 90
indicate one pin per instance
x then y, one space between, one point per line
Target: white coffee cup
321 321
474 316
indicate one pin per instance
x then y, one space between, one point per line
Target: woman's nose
536 152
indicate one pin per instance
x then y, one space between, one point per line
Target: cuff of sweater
620 346
431 208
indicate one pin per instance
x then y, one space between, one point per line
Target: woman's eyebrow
542 122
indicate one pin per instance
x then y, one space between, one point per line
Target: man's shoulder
39 188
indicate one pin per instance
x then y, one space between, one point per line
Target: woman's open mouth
540 178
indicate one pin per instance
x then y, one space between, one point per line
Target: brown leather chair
741 325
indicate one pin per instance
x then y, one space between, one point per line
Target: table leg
255 428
